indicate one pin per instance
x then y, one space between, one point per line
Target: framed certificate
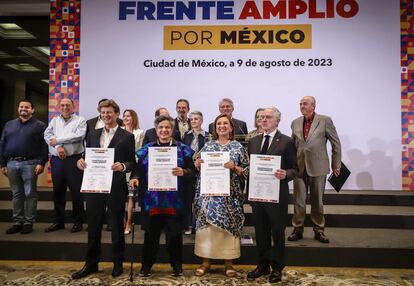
263 185
97 177
214 178
161 161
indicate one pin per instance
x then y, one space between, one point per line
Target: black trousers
270 224
173 237
96 205
65 174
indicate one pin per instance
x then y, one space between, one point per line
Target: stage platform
366 229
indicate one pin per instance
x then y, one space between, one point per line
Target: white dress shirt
107 136
99 123
68 133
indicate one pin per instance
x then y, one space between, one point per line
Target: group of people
218 220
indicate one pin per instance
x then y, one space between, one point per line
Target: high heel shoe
127 230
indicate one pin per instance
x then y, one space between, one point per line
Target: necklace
223 145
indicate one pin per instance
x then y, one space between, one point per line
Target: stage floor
58 273
340 237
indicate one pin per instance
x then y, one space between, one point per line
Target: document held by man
215 178
97 177
161 162
263 185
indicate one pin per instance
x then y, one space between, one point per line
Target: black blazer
151 136
189 137
124 144
240 127
91 123
284 146
176 128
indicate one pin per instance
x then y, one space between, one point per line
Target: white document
161 162
263 185
215 179
97 177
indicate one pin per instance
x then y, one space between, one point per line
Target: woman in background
131 124
195 139
258 116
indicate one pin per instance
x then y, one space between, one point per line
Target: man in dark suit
270 218
97 123
151 134
111 136
226 106
182 123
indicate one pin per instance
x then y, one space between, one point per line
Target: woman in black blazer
195 138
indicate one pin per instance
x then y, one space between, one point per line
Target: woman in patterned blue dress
219 219
163 210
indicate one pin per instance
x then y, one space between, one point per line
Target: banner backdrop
148 54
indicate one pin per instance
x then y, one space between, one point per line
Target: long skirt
215 243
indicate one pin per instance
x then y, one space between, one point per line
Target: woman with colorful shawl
164 209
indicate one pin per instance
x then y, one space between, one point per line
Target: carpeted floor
58 273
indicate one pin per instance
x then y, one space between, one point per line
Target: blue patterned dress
224 212
166 202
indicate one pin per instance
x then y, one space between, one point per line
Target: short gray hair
313 100
276 111
226 100
196 112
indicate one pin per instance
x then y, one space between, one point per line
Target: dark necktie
265 145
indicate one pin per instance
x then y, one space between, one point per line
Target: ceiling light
4 55
13 31
10 26
23 67
39 53
45 50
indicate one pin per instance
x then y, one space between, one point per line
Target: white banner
148 54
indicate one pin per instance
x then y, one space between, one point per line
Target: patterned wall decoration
64 54
64 70
407 93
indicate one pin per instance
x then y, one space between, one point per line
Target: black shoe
177 271
117 270
14 229
145 271
27 228
275 276
296 235
54 227
76 227
320 236
85 271
259 271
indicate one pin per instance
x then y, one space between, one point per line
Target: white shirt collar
111 130
271 134
202 132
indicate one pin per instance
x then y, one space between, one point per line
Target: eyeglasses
265 117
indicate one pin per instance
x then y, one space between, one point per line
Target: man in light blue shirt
65 135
